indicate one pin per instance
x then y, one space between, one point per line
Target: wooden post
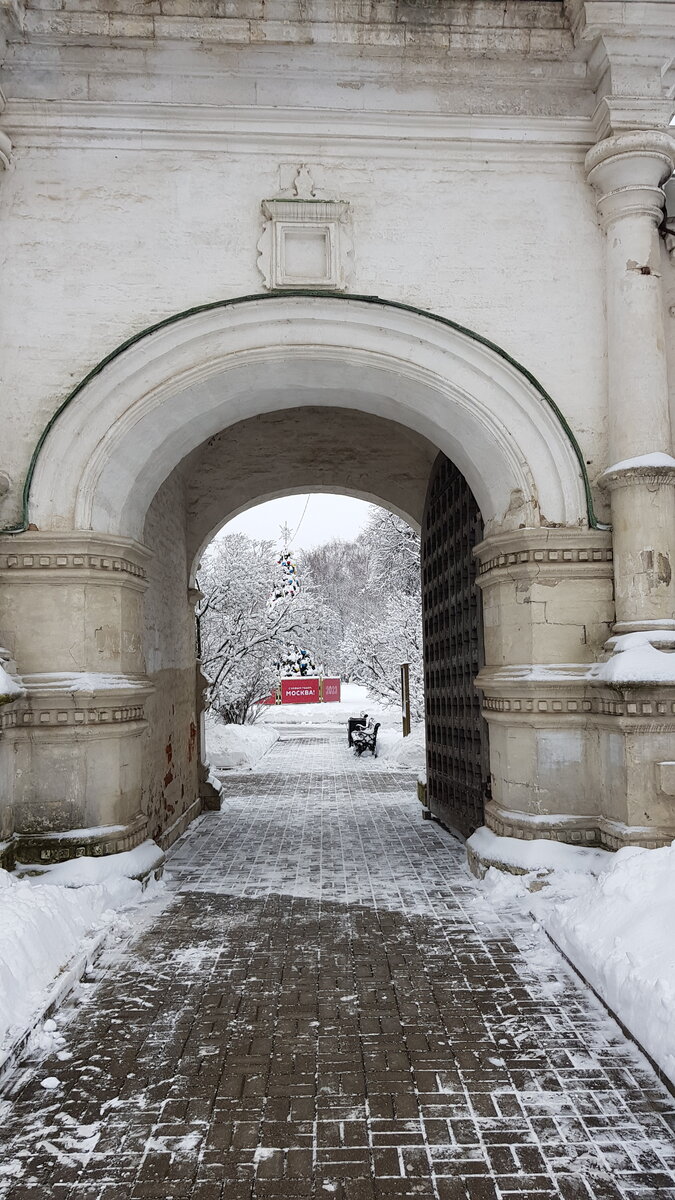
405 697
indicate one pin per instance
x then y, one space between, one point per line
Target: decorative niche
306 240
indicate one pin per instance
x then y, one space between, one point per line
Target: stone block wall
170 779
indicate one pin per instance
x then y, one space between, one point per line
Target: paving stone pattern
330 1007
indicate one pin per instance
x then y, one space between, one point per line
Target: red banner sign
299 691
331 690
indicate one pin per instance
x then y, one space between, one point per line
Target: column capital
628 172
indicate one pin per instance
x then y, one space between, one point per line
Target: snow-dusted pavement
330 1006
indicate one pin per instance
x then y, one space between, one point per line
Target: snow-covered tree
240 633
357 614
375 650
373 586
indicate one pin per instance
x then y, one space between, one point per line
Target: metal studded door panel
457 745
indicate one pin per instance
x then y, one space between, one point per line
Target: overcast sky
325 517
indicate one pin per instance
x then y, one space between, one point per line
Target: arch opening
335 451
174 434
125 429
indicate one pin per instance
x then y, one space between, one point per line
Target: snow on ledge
536 854
87 870
9 688
85 681
657 459
643 657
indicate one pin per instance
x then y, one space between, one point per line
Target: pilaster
628 172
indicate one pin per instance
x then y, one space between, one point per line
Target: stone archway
102 636
162 394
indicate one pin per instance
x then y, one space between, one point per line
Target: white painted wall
106 241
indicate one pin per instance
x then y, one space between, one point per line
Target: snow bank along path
229 747
613 915
46 920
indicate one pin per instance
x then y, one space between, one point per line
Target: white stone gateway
369 234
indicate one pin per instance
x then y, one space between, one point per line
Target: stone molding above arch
156 398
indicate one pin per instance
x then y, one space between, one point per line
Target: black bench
355 723
365 738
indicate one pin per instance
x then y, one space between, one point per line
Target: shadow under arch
162 391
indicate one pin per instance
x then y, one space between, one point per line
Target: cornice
652 475
559 552
82 702
68 557
565 692
49 124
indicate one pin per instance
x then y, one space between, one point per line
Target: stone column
71 614
628 171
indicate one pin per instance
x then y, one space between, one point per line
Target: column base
596 830
580 759
47 848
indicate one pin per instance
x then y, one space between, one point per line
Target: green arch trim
310 294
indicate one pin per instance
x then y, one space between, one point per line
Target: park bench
355 723
365 738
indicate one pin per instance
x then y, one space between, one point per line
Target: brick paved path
330 1007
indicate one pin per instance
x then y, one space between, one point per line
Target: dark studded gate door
457 738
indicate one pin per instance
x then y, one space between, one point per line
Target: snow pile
398 751
619 933
639 658
44 922
236 746
613 916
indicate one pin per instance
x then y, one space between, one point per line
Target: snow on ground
355 700
243 746
397 751
392 748
230 747
613 916
46 921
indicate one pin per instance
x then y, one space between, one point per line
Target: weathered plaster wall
171 751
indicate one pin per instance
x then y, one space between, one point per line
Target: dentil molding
561 552
70 556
